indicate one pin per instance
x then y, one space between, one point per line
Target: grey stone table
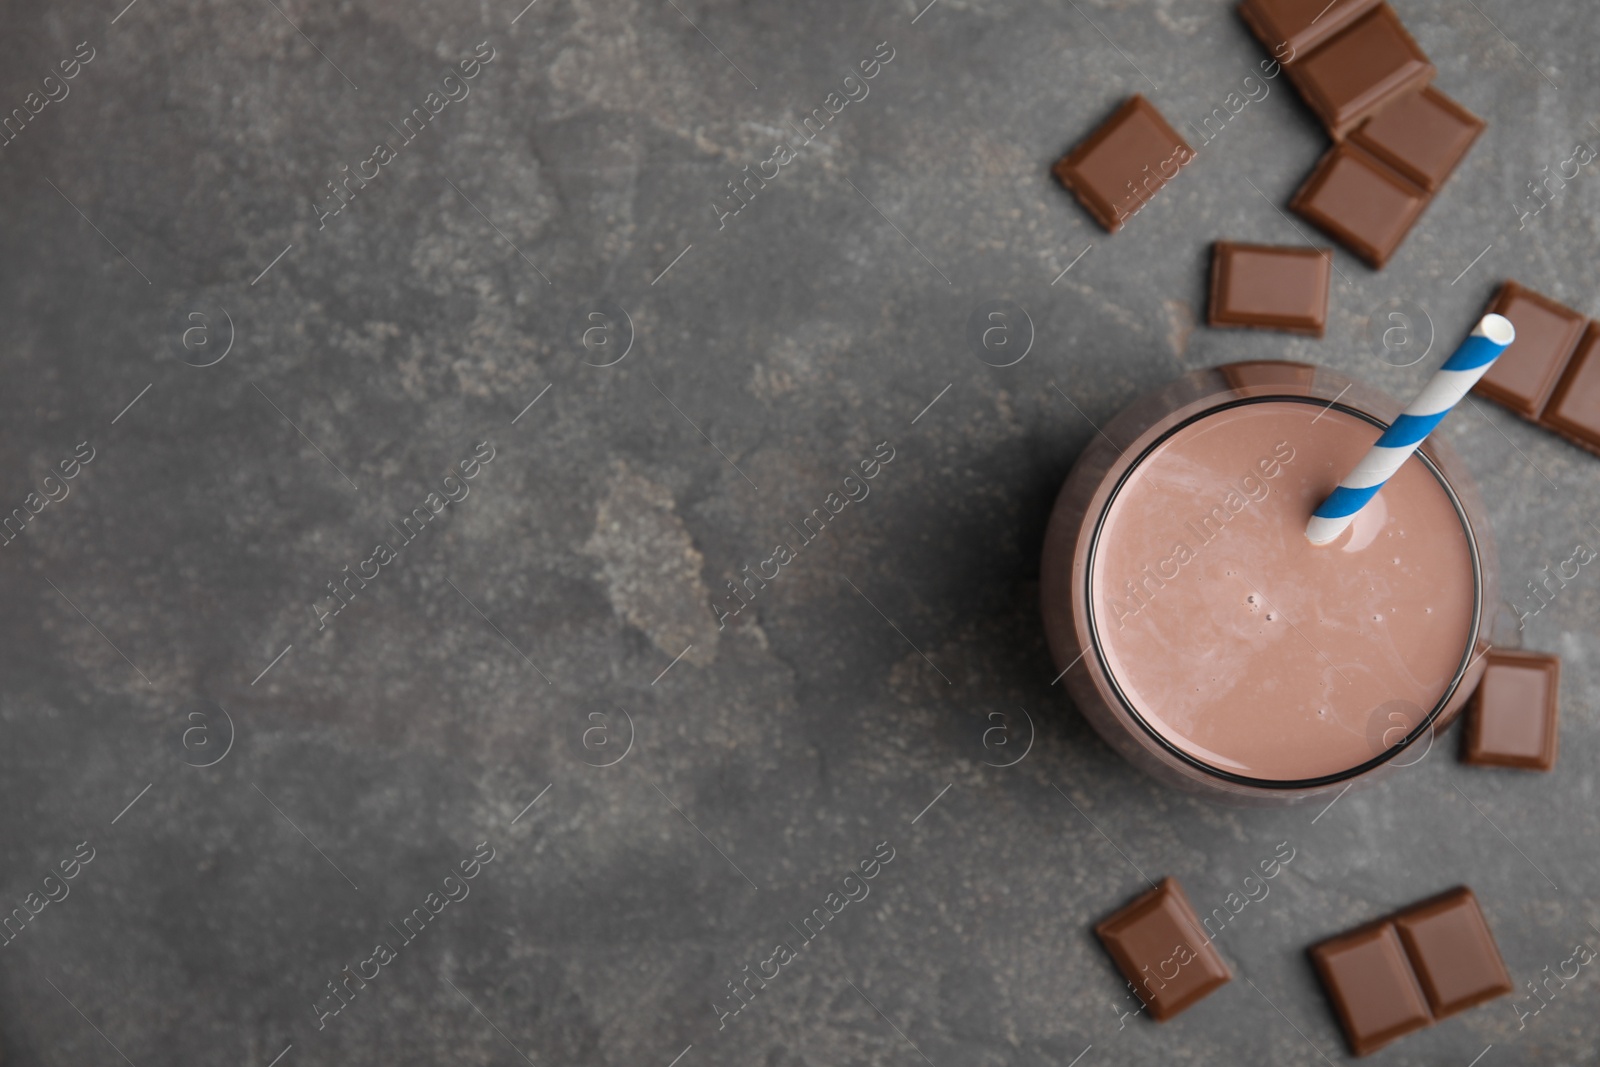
540 680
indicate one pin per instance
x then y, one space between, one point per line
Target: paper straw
1492 335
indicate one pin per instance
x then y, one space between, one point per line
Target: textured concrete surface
300 780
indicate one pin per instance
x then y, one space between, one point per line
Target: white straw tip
1321 531
1496 328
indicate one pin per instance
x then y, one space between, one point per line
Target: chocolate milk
1240 643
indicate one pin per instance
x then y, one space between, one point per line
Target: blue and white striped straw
1492 335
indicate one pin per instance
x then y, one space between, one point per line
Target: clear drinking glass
1076 630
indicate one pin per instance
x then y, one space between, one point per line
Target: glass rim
1281 784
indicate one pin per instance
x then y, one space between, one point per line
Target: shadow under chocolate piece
1526 373
1360 202
1423 135
1359 71
1512 720
1268 287
1374 992
1405 972
1574 408
1299 24
1123 163
1158 945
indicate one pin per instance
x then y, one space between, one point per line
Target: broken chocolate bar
1511 721
1411 969
1268 287
1123 163
1360 202
1355 74
1292 28
1160 948
1574 408
1374 992
1526 373
1452 952
1423 135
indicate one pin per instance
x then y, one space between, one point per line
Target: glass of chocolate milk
1213 645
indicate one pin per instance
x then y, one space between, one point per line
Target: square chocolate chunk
1355 74
1547 332
1267 287
1453 952
1511 721
1375 994
1574 408
1159 946
1423 135
1123 163
1290 29
1361 202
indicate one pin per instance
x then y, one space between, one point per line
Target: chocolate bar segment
1512 719
1574 408
1354 74
1123 163
1361 203
1374 992
1292 28
1409 970
1268 287
1423 135
1452 952
1159 946
1526 373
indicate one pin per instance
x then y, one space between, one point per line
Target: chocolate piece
1574 408
1361 203
1423 135
1525 373
1123 163
1269 288
1356 73
1409 970
1452 952
1156 934
1373 990
1300 25
1511 721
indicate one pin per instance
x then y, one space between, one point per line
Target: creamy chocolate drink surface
1249 649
